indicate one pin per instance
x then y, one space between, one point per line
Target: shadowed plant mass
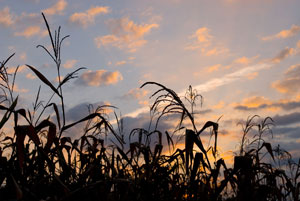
39 162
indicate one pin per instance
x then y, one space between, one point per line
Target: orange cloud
256 103
290 82
284 33
6 18
135 93
23 56
252 76
298 44
18 90
283 54
213 68
144 102
12 70
261 103
57 8
119 63
31 31
216 51
125 34
57 80
242 60
204 41
220 105
30 76
245 60
70 63
202 35
88 17
99 78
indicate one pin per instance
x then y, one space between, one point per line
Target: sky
242 56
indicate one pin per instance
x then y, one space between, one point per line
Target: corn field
37 161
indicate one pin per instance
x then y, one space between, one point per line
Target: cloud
19 90
57 78
213 68
245 60
30 76
202 35
81 110
203 40
125 35
135 93
242 60
290 83
119 63
283 54
255 103
31 31
88 17
287 119
212 84
99 78
228 78
284 33
57 8
252 76
70 63
220 105
291 132
23 56
12 70
6 18
215 51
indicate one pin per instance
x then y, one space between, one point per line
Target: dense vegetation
37 161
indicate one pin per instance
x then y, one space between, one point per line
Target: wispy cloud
31 31
99 78
30 76
119 63
290 83
125 34
135 93
213 68
284 33
255 103
19 90
245 60
202 40
229 78
214 83
252 75
202 35
283 54
57 8
70 63
12 70
6 17
88 17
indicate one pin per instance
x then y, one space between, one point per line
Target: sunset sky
242 56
